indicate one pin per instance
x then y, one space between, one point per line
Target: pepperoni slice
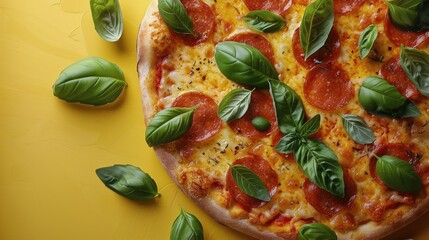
327 203
261 168
277 6
395 75
327 54
206 123
261 105
203 18
328 87
399 36
257 41
345 6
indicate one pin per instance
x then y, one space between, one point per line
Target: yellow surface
49 149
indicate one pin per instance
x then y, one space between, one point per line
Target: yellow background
49 149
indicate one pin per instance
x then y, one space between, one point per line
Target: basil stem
169 125
174 14
316 25
93 81
415 63
186 226
107 18
398 174
128 181
404 13
313 231
357 129
264 21
367 39
244 64
234 105
249 183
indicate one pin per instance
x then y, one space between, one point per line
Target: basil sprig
249 183
357 129
234 105
93 81
128 181
398 174
244 64
367 39
313 231
405 13
169 125
264 21
379 97
186 226
174 14
416 65
316 25
107 18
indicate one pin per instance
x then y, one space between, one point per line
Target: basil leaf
316 231
404 13
174 14
186 226
398 174
320 165
357 129
316 25
367 39
261 123
289 109
244 64
264 21
310 127
234 105
290 143
93 81
416 64
169 125
107 18
128 181
249 183
424 16
407 111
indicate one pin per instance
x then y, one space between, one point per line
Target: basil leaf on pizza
186 226
367 39
244 64
312 231
290 143
316 24
234 105
169 125
398 174
174 14
357 129
404 13
107 18
261 123
310 127
415 63
264 21
249 183
129 181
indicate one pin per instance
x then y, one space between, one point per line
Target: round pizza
287 119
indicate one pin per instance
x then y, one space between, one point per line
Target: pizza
282 119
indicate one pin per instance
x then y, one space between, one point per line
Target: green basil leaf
416 64
310 127
249 183
357 129
264 21
404 13
128 181
407 111
93 81
261 123
290 143
234 105
320 165
424 16
398 174
174 14
186 227
244 64
169 125
316 25
107 18
289 108
367 39
316 231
